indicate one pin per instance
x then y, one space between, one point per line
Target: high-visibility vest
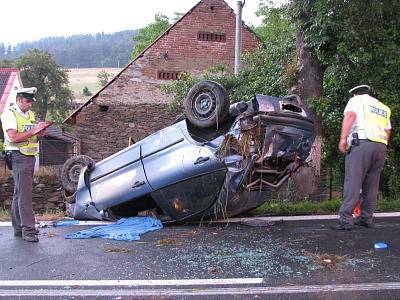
28 147
375 120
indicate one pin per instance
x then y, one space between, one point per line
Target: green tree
356 42
104 77
335 45
38 68
86 91
149 34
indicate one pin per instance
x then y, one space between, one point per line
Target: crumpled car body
189 173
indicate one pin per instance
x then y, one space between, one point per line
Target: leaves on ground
117 250
166 241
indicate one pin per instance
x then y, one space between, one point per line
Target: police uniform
366 156
23 162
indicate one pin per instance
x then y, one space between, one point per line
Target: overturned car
216 161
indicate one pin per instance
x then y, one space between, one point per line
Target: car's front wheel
207 104
71 170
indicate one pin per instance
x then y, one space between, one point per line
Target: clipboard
47 125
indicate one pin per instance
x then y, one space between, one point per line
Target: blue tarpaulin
126 229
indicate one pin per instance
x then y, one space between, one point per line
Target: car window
190 197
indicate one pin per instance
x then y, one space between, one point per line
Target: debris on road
329 261
380 246
65 223
117 250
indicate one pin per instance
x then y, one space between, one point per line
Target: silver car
216 161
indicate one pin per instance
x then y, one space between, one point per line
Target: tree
356 43
149 34
104 77
86 91
38 68
320 49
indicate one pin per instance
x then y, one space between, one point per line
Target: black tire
207 104
69 198
71 170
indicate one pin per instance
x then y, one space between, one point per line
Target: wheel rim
74 172
204 105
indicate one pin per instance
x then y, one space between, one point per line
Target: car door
118 179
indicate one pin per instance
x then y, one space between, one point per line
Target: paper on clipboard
44 128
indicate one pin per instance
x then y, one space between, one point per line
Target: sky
30 20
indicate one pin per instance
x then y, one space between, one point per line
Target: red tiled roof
7 77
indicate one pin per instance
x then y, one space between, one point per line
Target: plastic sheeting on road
126 229
65 223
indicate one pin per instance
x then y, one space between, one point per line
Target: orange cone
357 209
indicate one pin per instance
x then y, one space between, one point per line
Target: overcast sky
29 20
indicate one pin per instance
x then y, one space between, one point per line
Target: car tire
207 104
71 170
69 198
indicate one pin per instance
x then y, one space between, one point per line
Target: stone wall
46 193
104 133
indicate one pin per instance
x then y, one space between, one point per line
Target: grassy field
79 78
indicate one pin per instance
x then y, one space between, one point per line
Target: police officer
364 136
20 141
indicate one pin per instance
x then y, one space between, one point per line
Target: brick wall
136 105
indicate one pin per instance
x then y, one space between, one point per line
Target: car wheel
207 104
68 197
71 170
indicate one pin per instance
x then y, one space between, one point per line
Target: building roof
142 53
56 133
7 77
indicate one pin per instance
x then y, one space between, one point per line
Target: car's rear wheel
71 170
68 197
207 104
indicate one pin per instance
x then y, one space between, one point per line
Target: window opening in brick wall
168 75
103 108
211 36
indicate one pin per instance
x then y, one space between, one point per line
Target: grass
283 208
4 215
275 208
79 78
48 215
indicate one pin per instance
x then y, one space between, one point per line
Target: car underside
216 161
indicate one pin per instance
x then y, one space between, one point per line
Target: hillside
80 51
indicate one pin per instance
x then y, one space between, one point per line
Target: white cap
27 93
357 88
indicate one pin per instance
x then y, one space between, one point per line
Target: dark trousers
22 216
363 166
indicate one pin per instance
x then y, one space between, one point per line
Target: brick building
132 104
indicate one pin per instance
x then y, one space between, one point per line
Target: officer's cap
360 89
27 93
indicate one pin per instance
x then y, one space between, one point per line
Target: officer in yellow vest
20 141
364 137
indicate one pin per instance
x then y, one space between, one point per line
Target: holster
355 141
8 159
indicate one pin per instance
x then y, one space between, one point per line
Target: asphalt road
283 260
